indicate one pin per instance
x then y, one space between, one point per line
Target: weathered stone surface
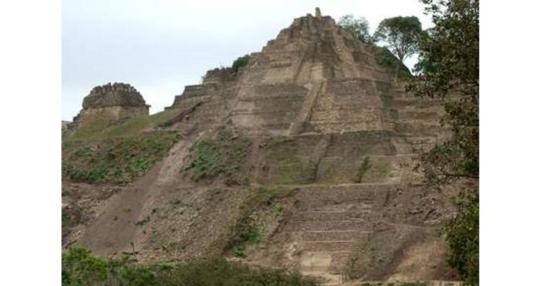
116 94
112 102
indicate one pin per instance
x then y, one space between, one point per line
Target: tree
448 68
400 34
240 63
358 27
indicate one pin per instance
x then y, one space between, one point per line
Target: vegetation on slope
221 156
259 209
224 73
80 267
240 63
102 128
463 237
289 166
116 160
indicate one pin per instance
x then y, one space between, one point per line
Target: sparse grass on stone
288 166
222 156
377 171
102 128
116 160
261 203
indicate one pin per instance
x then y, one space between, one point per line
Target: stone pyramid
328 120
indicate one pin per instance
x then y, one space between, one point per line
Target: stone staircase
328 223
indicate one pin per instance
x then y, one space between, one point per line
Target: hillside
306 158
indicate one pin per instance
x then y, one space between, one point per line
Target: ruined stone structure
327 121
113 102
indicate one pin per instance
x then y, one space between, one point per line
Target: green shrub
462 235
116 160
220 272
240 63
239 251
81 268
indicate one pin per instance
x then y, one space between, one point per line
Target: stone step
418 129
336 245
333 262
325 278
339 260
331 225
333 235
344 204
420 115
352 197
399 103
332 215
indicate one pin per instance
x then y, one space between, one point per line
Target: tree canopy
449 68
358 27
400 35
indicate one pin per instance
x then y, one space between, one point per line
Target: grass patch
116 160
103 129
80 267
374 171
220 272
90 129
223 156
288 167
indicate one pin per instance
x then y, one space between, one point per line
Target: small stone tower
112 102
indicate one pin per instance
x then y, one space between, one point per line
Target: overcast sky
160 46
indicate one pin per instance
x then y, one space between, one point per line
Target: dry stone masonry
113 102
